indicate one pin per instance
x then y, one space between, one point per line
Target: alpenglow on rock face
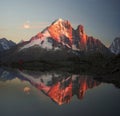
6 44
60 34
115 46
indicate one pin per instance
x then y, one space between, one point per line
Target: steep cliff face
61 30
81 34
82 37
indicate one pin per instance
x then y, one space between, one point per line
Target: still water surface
31 93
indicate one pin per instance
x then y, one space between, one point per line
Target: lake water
34 93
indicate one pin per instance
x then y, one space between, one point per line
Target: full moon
26 26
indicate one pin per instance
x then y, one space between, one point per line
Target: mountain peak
6 44
61 22
80 28
58 20
3 39
60 29
82 35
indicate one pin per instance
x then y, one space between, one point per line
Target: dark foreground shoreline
104 69
102 75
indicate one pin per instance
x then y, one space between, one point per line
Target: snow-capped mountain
6 44
60 34
57 42
115 46
53 37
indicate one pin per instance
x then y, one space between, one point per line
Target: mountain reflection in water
60 87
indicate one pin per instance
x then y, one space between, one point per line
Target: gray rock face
6 44
115 46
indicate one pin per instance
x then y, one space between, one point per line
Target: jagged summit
61 34
58 20
80 32
61 29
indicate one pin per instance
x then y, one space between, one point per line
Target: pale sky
22 19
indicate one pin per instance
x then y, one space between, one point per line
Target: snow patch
42 42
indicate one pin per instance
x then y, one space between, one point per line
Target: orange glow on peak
56 31
59 94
